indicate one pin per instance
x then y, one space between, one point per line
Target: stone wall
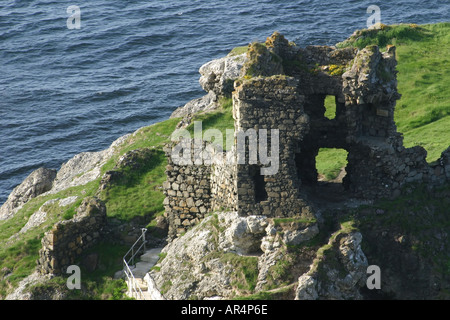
68 239
224 182
194 189
270 103
187 190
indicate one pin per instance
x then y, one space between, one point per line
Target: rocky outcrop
83 167
80 170
182 272
206 103
219 75
242 235
22 291
216 78
38 182
338 272
205 262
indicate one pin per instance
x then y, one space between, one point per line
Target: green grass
329 162
221 120
330 107
423 112
154 136
246 276
238 51
386 35
138 193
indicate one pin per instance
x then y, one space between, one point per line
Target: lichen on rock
37 183
339 270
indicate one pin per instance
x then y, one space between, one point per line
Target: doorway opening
258 182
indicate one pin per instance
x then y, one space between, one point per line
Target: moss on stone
336 70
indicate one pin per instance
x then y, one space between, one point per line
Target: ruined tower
283 87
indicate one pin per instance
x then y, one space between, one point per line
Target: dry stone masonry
68 239
283 87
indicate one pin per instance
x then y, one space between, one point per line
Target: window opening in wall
330 164
330 107
259 183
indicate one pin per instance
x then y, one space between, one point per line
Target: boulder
218 75
37 183
217 79
295 237
243 235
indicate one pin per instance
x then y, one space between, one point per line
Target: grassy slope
138 194
18 258
423 112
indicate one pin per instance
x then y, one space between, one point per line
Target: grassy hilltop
423 112
422 115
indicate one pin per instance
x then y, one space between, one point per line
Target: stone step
147 261
142 284
151 256
141 269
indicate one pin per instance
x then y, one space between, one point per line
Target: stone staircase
143 280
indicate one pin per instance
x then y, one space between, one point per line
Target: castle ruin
284 87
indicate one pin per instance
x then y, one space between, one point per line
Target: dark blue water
132 63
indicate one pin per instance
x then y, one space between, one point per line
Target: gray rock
218 75
67 201
83 167
38 217
295 237
243 235
216 78
37 183
205 103
22 292
342 274
307 288
185 271
182 266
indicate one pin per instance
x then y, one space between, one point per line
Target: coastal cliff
57 218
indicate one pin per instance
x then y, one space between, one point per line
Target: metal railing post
134 288
143 236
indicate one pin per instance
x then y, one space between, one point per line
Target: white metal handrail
133 286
